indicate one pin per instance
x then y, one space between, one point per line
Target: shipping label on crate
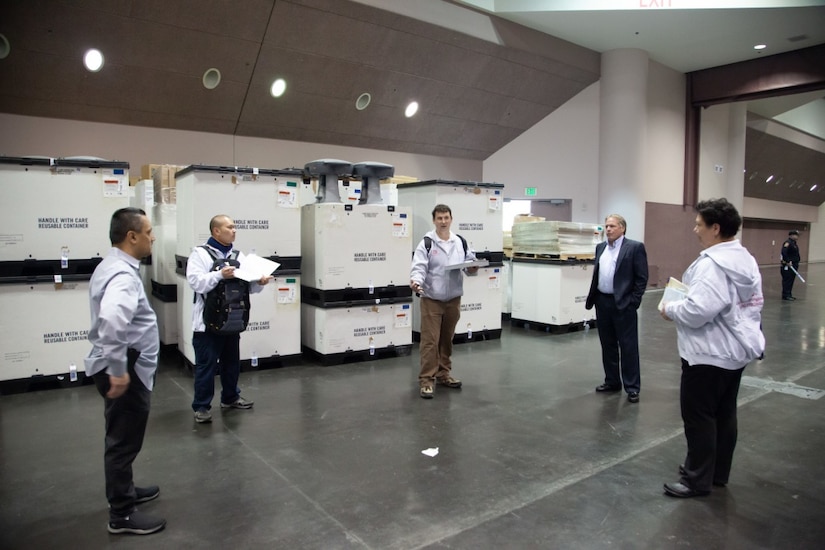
287 291
472 306
400 224
115 182
288 194
494 202
493 280
403 317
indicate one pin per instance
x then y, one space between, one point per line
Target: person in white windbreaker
440 290
719 332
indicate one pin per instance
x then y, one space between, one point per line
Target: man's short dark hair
793 232
123 221
722 212
442 208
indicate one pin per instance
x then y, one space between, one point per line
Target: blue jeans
216 353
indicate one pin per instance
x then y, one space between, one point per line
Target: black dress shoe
633 397
605 388
680 490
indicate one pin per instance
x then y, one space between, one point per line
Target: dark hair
793 232
442 208
123 221
721 212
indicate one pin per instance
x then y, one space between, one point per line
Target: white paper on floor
430 451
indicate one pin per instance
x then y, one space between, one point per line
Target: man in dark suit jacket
619 281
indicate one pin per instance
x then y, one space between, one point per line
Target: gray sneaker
239 403
203 415
136 523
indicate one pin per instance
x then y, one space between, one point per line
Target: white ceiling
682 39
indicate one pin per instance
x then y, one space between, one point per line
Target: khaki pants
438 321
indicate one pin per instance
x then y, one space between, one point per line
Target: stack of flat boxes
265 205
477 216
57 232
356 297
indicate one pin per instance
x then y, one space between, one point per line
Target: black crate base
461 338
356 356
272 362
39 383
552 329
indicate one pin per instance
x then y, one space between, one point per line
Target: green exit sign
530 192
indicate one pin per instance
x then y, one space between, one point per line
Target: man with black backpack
440 290
219 314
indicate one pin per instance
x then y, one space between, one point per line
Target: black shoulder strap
210 252
463 242
428 243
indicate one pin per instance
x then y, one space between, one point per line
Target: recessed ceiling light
769 179
814 187
93 60
278 88
5 47
411 109
363 101
760 47
211 78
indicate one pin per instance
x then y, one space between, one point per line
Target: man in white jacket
440 290
213 351
719 332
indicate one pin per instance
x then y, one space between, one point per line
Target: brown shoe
426 391
449 381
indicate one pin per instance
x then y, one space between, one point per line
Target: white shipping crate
165 247
480 304
507 287
352 246
48 334
61 207
167 313
552 294
476 208
331 331
274 320
265 205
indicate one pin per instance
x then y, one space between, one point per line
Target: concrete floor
529 455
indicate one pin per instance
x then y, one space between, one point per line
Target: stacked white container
265 205
56 232
356 298
477 216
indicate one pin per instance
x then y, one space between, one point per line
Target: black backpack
226 307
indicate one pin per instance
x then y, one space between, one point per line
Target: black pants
788 277
708 399
619 338
126 419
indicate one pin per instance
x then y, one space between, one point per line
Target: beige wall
816 250
23 136
559 156
665 158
